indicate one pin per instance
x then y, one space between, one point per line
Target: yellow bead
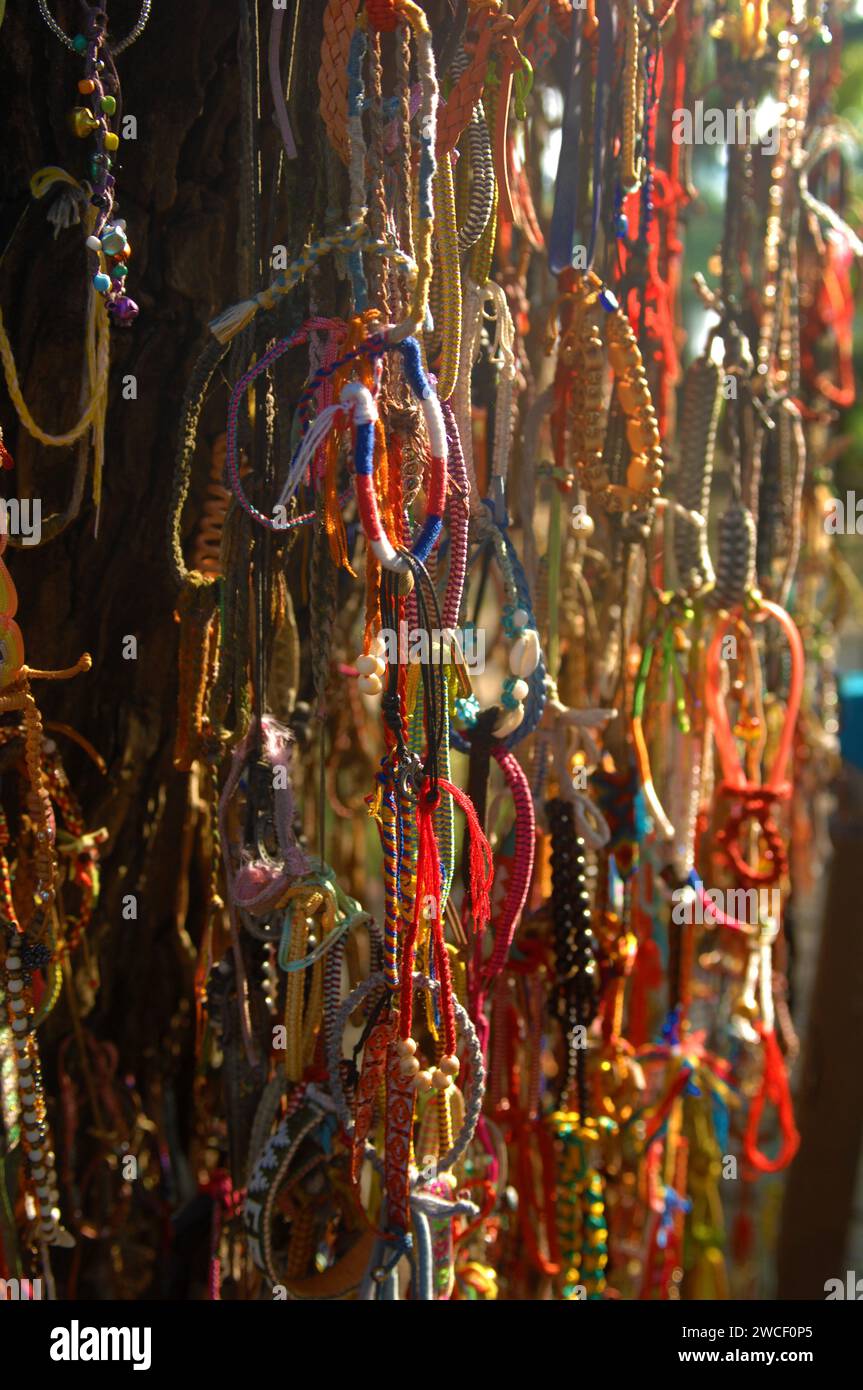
82 122
112 141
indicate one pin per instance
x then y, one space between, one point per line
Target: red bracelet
754 801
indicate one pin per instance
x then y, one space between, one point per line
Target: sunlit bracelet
365 414
357 237
476 1084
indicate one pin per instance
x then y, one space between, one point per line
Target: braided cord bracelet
365 416
357 237
476 1088
754 802
359 400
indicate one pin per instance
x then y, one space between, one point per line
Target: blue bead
79 43
101 282
608 301
114 241
621 224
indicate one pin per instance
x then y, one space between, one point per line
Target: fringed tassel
336 537
232 321
481 863
427 886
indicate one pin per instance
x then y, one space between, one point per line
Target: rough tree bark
178 191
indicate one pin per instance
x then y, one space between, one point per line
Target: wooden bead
594 356
637 476
641 435
619 358
629 395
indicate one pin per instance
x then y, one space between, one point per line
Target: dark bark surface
177 191
179 188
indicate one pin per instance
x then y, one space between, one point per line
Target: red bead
383 14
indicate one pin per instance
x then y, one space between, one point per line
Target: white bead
509 722
583 524
370 665
520 617
423 1081
93 243
18 1006
370 685
406 1047
408 1066
520 690
524 653
449 1066
440 1080
16 986
13 962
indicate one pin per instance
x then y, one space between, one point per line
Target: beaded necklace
101 110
